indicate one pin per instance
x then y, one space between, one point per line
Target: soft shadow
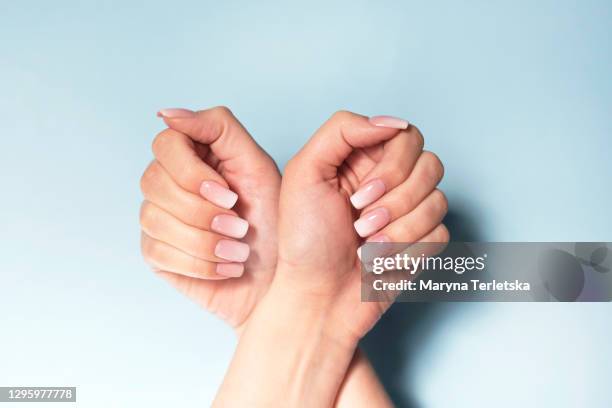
405 329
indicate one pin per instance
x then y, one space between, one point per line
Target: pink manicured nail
229 225
378 238
375 238
232 250
372 222
173 113
389 122
231 270
217 194
367 194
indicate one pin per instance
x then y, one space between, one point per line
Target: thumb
336 139
220 130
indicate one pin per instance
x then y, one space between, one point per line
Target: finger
198 243
427 173
220 129
399 157
439 235
199 290
176 153
431 244
337 138
407 228
159 189
163 256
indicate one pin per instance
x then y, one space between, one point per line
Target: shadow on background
405 329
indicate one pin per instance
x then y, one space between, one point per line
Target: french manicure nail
231 270
229 225
389 122
175 113
217 194
372 221
367 194
232 250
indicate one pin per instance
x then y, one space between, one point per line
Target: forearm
289 354
361 386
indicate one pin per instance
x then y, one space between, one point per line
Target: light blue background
515 97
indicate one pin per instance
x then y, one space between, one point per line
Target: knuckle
221 112
417 137
437 164
440 201
443 234
148 215
162 142
434 170
221 119
149 249
150 177
341 116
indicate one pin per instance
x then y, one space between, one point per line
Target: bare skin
210 145
297 346
177 237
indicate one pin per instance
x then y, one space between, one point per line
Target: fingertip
218 195
233 251
175 113
230 270
230 225
372 221
368 193
389 122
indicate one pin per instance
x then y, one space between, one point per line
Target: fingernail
217 194
372 222
231 270
378 238
229 225
375 238
232 250
173 113
389 122
367 194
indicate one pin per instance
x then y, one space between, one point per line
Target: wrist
315 294
291 342
315 351
287 305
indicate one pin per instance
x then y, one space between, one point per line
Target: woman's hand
181 214
210 211
357 179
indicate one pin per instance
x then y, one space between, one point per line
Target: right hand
379 164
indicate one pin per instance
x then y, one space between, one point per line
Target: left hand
180 237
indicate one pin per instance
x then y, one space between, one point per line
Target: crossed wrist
289 333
